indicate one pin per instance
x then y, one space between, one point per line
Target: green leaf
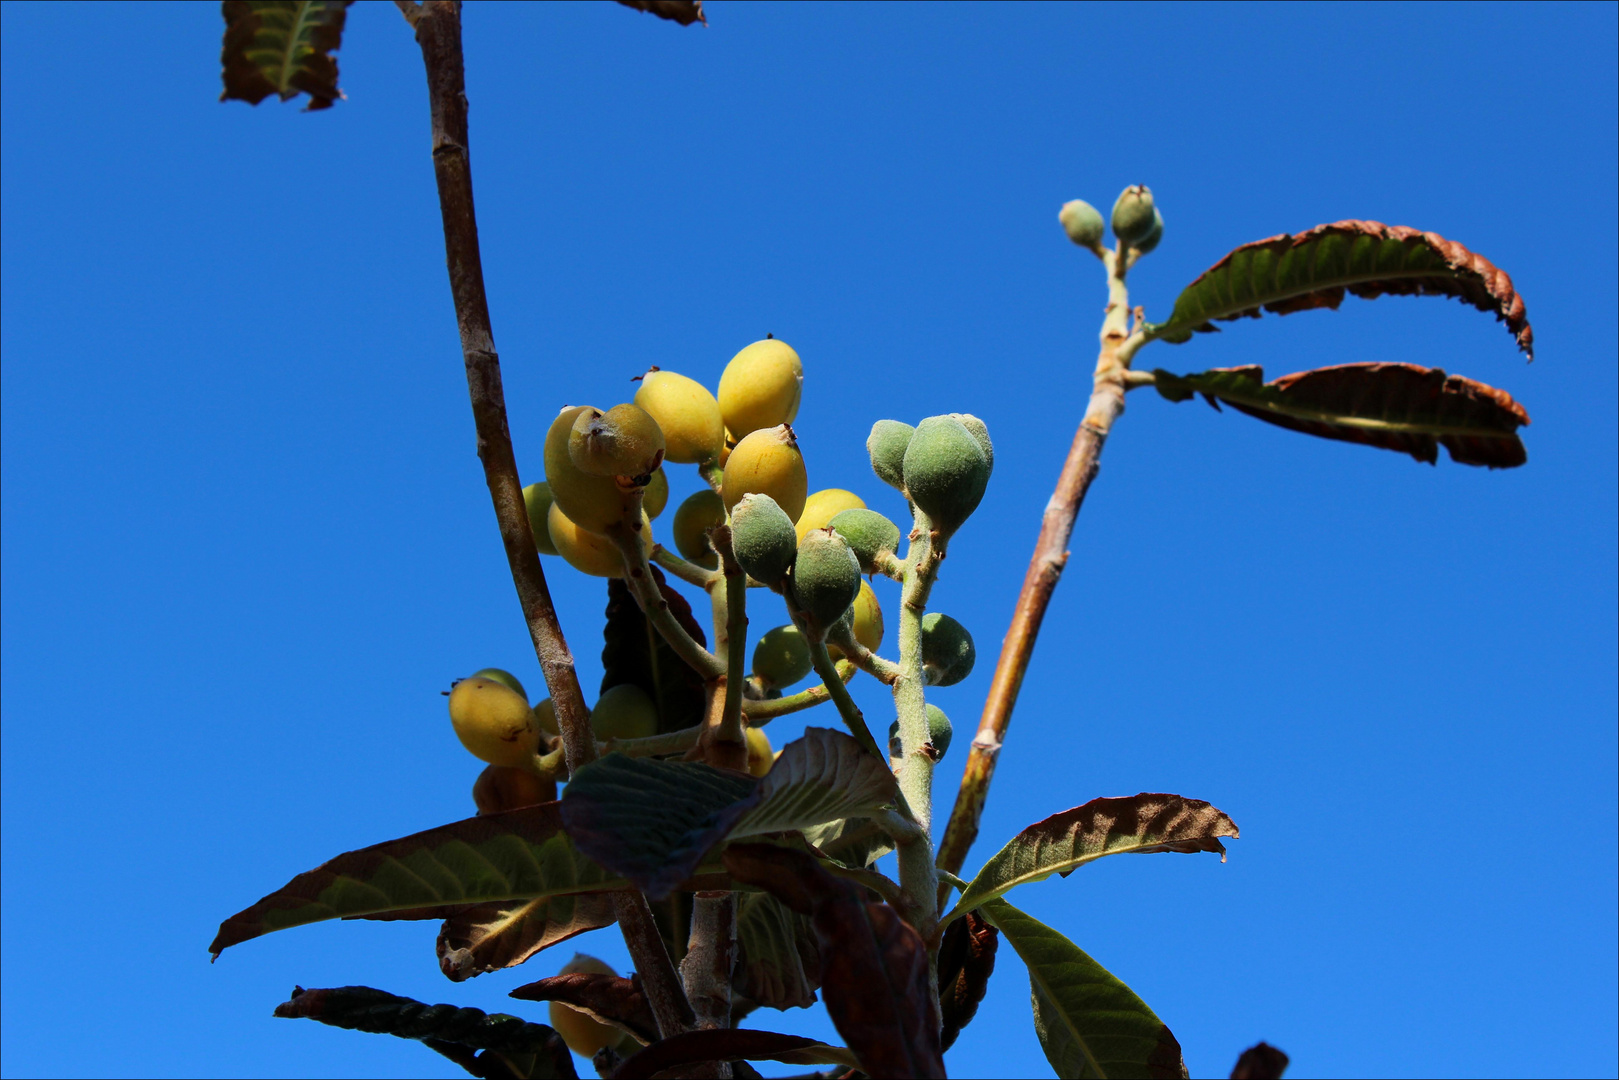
1140 824
856 842
539 1049
1089 1023
822 777
777 963
633 652
519 855
1313 269
282 47
489 937
1414 410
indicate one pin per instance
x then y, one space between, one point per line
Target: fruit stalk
735 584
760 713
922 560
1109 383
638 576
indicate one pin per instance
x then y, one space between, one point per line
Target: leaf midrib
969 900
1262 403
1159 329
298 23
1046 992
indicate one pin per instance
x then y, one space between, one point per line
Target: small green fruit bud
938 733
623 441
782 657
975 427
946 472
869 534
505 678
1082 222
763 537
694 517
1132 214
826 578
947 650
537 501
624 712
1154 234
886 444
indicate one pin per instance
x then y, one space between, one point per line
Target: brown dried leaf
729 1045
777 963
611 999
489 937
633 652
1261 1061
966 961
684 12
282 47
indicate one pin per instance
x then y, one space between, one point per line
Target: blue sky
247 542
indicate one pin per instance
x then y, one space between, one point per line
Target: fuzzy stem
1118 346
736 639
710 956
760 713
927 550
670 742
839 693
689 572
638 575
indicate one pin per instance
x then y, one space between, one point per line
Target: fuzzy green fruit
863 622
1154 234
624 712
693 518
947 650
781 658
1132 214
537 501
975 427
693 431
764 540
824 505
939 732
1082 222
826 578
869 534
946 472
886 444
502 676
623 441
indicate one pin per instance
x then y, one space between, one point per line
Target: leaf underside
731 1045
1402 407
1089 1023
489 937
282 47
684 12
1139 824
777 965
611 999
1315 268
635 653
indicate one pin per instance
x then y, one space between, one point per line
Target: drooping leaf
684 12
856 842
1261 1061
1403 407
1140 824
874 966
730 1045
655 821
518 855
489 937
777 963
633 652
1089 1023
966 961
612 999
540 1050
1314 268
282 47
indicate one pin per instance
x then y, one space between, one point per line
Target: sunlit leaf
282 47
822 777
1315 268
856 842
1089 1023
1139 824
1403 407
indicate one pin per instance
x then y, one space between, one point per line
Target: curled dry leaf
684 12
966 961
730 1045
282 47
488 937
633 652
611 999
1261 1061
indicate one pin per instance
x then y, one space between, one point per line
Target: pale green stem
916 872
670 742
884 671
736 635
760 713
839 693
689 572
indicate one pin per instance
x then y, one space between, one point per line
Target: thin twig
689 572
760 713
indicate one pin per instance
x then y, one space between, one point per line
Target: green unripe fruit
1132 214
947 650
493 722
537 501
869 534
826 578
760 754
505 678
588 552
624 712
656 495
975 427
767 462
763 538
782 657
693 431
1082 222
623 441
499 789
760 387
938 733
584 1034
545 716
693 518
824 505
886 444
1154 234
946 472
591 502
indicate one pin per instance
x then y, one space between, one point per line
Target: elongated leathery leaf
733 1045
777 964
612 999
1139 824
1090 1024
1403 407
1313 269
282 47
684 12
519 855
489 937
360 1008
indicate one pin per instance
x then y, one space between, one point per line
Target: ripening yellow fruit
767 462
624 712
688 414
590 552
760 756
499 788
693 518
583 1033
824 505
592 502
725 451
545 716
656 495
867 618
760 387
493 722
623 441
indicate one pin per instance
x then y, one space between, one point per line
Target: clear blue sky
247 541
